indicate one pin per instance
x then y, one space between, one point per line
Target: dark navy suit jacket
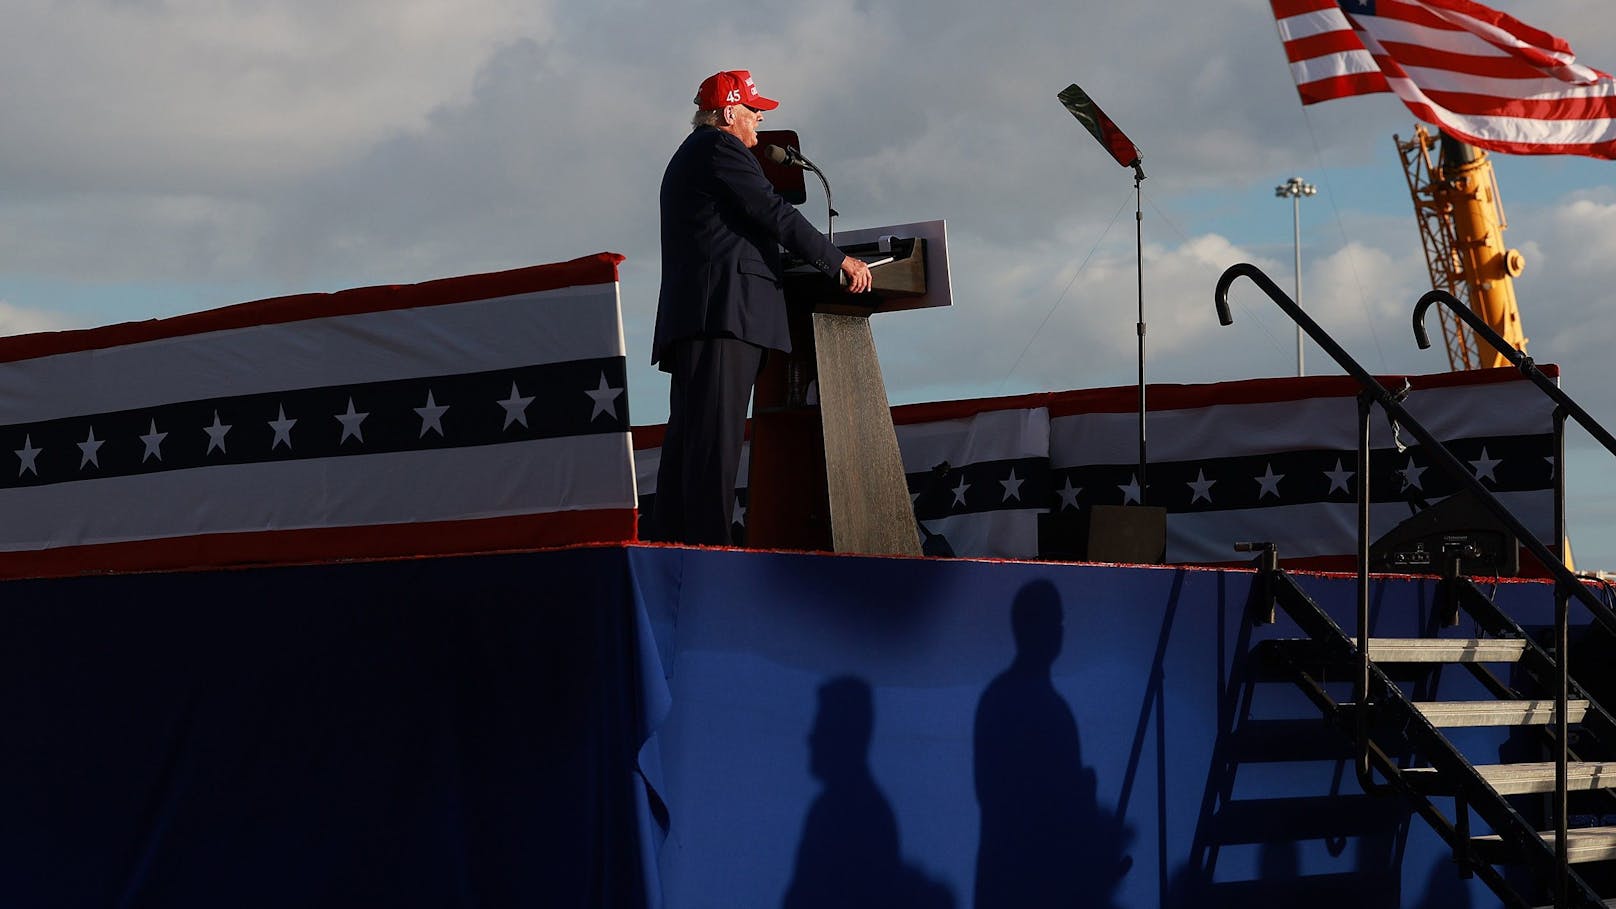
722 228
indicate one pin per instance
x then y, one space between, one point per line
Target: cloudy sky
165 156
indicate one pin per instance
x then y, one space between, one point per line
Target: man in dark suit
722 303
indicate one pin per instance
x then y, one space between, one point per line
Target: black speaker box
1458 525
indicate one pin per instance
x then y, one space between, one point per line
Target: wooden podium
825 471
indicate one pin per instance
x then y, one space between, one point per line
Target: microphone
788 156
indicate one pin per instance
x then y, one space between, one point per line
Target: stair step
1400 659
1523 778
1497 713
1254 821
1610 902
1267 741
1584 844
1446 650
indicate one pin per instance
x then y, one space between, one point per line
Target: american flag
470 414
1477 73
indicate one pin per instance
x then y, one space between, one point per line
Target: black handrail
1520 360
1566 581
1564 407
1439 453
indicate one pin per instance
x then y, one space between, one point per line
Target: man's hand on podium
858 274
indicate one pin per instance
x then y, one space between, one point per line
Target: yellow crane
1461 220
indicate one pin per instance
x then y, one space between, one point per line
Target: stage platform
627 725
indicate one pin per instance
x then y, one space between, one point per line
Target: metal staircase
1432 769
1264 730
1406 745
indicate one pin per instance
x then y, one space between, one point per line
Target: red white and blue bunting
464 415
1264 459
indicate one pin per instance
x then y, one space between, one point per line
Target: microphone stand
1080 105
1139 255
830 220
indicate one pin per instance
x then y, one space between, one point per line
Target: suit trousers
711 385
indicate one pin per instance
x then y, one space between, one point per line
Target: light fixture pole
1294 189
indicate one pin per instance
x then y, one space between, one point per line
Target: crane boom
1461 220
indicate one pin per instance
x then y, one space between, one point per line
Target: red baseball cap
731 87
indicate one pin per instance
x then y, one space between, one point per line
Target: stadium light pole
1294 189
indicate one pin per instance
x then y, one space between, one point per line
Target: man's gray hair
707 118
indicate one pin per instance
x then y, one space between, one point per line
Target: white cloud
197 93
20 320
1565 295
133 236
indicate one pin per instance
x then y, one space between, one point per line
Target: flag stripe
511 332
1409 40
1290 9
1311 530
542 475
975 486
1479 46
1327 60
1310 25
386 419
986 436
989 535
1357 65
1330 88
1516 115
1305 475
1483 95
1427 33
1125 398
1390 13
1477 73
1498 74
1343 47
1180 433
1505 30
1511 136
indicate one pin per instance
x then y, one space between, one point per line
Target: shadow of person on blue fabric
849 855
1045 840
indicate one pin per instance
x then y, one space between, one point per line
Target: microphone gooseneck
789 156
